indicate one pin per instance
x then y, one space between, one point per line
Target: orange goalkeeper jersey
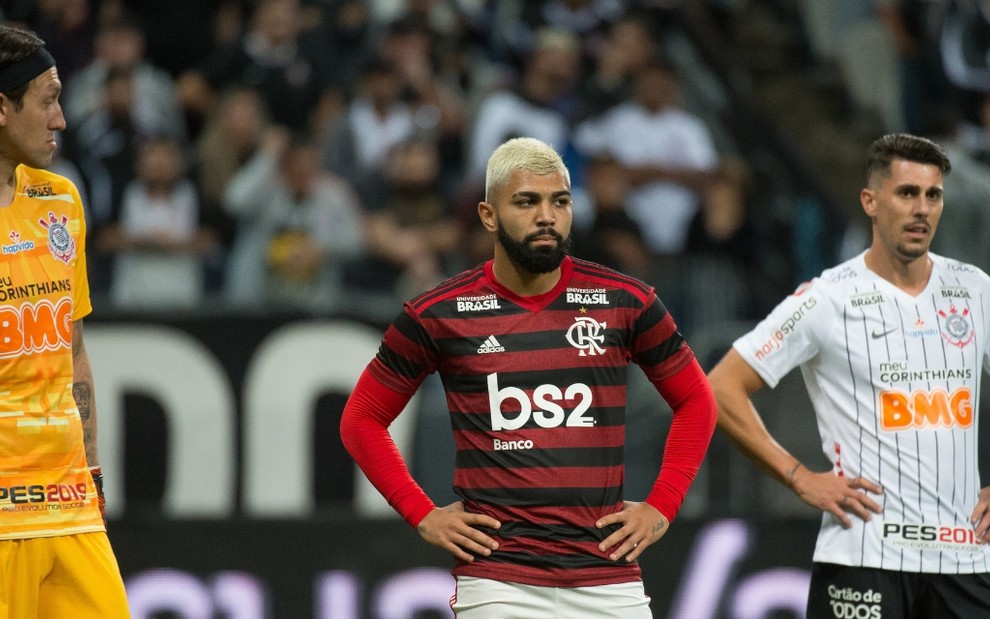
45 486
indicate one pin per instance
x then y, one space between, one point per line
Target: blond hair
527 154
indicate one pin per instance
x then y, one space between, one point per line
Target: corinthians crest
957 328
60 242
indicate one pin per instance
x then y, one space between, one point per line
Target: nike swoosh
877 336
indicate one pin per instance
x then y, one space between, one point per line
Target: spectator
296 226
412 236
627 49
965 43
178 34
613 239
924 88
974 133
104 147
287 66
66 25
668 156
357 143
159 244
120 47
230 138
962 227
721 249
588 20
438 102
541 105
348 34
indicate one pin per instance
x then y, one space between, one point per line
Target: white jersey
894 380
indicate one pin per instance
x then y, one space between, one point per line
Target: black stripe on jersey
444 288
414 332
399 364
543 341
598 377
541 497
553 531
561 457
621 280
663 351
650 318
573 561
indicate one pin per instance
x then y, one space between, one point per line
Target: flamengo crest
587 335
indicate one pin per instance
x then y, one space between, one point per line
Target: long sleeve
690 396
369 411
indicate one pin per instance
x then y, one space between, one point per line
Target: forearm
738 418
83 393
364 431
693 404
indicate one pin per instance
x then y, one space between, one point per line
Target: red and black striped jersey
536 392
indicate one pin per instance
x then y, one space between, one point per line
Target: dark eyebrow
535 194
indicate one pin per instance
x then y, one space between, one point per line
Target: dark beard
539 260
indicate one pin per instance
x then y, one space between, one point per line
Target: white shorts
482 598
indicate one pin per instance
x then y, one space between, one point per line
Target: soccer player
533 348
891 344
55 558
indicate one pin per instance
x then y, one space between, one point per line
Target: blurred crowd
327 156
921 66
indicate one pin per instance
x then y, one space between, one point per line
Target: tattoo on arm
82 394
657 528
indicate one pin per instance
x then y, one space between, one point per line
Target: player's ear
486 212
868 199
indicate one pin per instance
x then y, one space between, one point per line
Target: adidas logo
491 345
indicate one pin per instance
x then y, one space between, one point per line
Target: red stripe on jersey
549 546
657 334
